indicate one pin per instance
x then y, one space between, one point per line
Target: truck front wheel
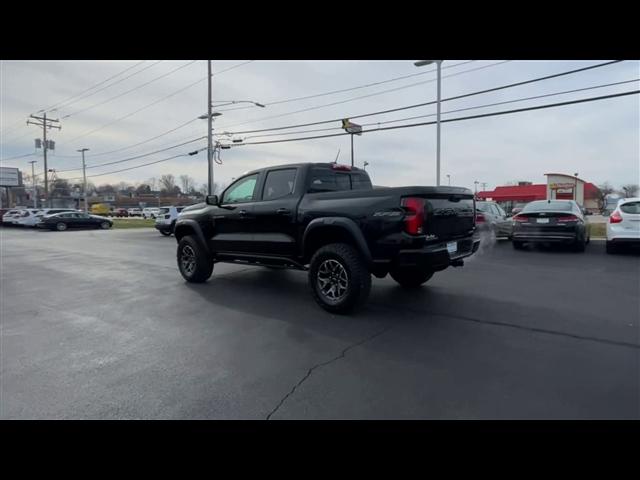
338 278
195 264
410 277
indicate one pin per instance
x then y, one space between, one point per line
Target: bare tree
604 190
105 188
152 182
630 190
167 182
187 183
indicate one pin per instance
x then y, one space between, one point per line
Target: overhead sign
554 186
10 177
351 127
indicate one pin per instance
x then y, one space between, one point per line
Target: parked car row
54 219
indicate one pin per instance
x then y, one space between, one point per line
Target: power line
482 115
129 91
333 92
17 156
156 102
502 87
135 157
363 96
141 165
504 112
66 101
452 111
84 91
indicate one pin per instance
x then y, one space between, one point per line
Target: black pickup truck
329 220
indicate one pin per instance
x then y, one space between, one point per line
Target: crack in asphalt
318 365
513 325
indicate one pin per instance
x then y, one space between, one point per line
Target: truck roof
305 164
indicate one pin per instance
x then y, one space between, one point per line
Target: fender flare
196 228
341 222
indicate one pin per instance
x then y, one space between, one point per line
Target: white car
624 224
28 218
11 217
166 219
134 212
150 212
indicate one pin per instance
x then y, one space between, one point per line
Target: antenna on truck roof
336 160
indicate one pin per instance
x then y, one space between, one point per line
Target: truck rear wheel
338 278
195 264
410 277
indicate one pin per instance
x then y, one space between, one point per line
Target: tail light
414 218
480 218
615 217
567 218
520 218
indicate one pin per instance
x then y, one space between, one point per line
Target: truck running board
265 261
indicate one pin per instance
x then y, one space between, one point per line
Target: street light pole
439 65
209 131
33 179
84 180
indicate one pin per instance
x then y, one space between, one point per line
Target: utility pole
33 179
45 123
209 130
484 186
439 64
84 179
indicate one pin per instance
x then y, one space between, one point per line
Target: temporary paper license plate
452 247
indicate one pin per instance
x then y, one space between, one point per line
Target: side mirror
212 200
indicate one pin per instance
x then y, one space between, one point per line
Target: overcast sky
599 140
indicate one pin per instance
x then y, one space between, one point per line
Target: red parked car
120 212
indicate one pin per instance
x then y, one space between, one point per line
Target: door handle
283 211
242 213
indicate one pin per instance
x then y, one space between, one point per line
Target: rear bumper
436 257
545 237
162 227
625 240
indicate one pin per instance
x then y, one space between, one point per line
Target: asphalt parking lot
100 325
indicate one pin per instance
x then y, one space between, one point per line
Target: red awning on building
525 193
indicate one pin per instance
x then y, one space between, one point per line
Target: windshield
163 210
546 206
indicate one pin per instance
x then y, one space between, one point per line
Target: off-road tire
358 278
201 267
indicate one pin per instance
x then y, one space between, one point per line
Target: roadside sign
9 177
351 127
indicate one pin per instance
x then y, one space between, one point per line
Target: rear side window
325 180
360 182
279 183
631 207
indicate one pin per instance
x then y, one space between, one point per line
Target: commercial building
559 186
